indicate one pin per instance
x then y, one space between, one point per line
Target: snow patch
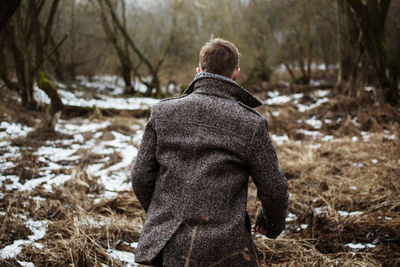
303 108
359 246
349 214
291 217
327 138
127 258
279 140
13 130
38 229
315 123
323 93
276 99
366 136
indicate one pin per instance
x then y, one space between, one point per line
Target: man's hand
258 229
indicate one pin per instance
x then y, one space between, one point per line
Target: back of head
219 56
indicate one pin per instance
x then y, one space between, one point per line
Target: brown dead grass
79 231
12 228
9 263
326 177
122 125
81 227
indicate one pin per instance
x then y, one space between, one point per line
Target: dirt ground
341 157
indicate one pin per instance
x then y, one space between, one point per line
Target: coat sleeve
145 167
270 182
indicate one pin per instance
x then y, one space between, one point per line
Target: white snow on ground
38 229
349 214
116 177
276 99
359 246
80 126
55 154
132 103
322 93
127 258
357 164
303 226
315 123
13 130
290 217
68 98
327 138
279 140
303 108
366 135
105 82
314 134
40 95
112 83
320 210
26 264
324 210
101 84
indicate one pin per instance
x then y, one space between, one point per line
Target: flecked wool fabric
191 177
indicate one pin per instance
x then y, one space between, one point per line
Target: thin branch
171 36
58 45
127 37
50 21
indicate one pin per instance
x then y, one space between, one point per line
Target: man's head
220 57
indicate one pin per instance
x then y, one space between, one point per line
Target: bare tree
28 38
122 50
371 17
153 67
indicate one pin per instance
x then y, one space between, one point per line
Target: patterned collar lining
209 74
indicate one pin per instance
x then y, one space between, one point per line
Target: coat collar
211 84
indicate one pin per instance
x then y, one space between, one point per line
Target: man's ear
235 74
198 70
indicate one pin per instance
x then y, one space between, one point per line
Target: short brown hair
219 56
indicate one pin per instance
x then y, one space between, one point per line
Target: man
192 169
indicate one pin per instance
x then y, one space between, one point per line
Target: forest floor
66 198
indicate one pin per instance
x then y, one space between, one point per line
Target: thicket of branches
157 42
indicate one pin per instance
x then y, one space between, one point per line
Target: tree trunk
22 69
6 11
51 90
349 48
40 43
126 76
4 70
371 18
122 52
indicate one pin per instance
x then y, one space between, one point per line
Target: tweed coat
191 177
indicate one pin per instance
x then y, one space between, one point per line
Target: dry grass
79 231
339 176
329 178
122 125
12 228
